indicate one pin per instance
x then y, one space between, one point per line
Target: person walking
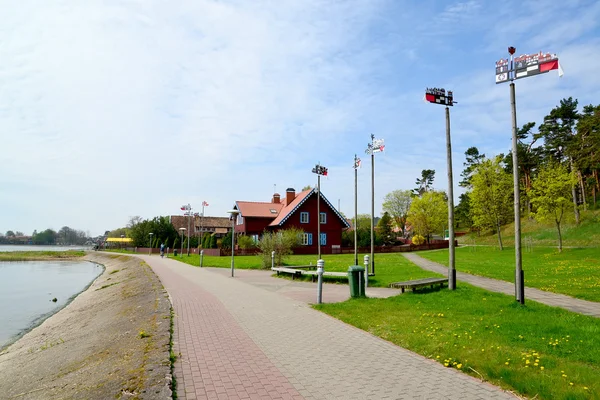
162 249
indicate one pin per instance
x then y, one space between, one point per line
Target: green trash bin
356 281
175 253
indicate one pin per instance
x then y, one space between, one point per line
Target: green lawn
574 272
389 267
534 349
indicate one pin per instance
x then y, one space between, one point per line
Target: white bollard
272 260
366 272
201 258
320 266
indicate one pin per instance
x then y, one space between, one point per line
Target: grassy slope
537 234
574 272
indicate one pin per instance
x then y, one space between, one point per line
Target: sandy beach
111 341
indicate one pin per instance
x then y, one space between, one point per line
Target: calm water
28 287
10 247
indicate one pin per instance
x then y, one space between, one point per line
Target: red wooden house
297 210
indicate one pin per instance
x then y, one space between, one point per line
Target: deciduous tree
397 204
491 196
428 214
551 195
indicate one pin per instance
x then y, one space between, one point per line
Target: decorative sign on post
319 170
439 96
526 65
376 146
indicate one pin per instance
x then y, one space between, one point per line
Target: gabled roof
258 209
290 208
300 199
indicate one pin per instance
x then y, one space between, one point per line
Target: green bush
246 242
418 240
281 242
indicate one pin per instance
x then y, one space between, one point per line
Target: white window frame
306 239
302 219
240 220
323 218
255 238
323 239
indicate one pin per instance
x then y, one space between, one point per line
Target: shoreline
111 340
40 319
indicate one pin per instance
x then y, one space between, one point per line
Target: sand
111 341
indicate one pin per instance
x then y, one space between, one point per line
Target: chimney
276 198
290 195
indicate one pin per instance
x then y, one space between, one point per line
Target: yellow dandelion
506 363
571 383
535 364
445 364
585 388
542 368
459 366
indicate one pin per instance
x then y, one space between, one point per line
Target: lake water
28 287
26 247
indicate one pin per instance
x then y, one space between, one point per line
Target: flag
357 163
560 71
545 67
182 208
204 204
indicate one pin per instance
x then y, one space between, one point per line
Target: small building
201 226
298 210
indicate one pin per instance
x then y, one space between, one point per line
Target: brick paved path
494 285
240 341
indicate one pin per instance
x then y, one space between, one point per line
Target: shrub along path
494 285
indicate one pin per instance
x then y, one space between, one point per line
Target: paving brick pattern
240 341
494 285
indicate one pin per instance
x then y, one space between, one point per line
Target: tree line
65 236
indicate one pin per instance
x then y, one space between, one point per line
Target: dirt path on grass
92 348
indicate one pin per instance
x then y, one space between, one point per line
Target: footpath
256 337
494 285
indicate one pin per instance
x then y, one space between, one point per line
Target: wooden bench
294 272
417 283
313 274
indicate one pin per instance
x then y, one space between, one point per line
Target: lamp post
356 167
233 216
376 146
439 96
150 248
508 71
181 253
319 170
121 244
204 204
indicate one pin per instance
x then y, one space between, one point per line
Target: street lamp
233 216
150 249
319 170
181 253
440 96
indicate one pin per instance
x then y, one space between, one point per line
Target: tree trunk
574 193
499 236
594 194
582 190
559 236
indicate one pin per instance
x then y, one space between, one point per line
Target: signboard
526 65
439 96
378 146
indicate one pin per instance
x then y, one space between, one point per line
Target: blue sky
110 109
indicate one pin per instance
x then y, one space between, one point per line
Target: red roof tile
259 209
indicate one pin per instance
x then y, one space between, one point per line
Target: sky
112 108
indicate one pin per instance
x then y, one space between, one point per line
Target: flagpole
372 205
202 226
355 211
